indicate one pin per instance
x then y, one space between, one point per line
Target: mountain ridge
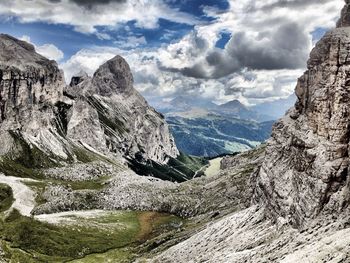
103 114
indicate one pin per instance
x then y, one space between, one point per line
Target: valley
213 135
90 172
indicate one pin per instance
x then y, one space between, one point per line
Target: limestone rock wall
306 168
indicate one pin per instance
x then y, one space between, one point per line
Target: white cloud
131 42
49 51
87 60
145 13
266 34
265 28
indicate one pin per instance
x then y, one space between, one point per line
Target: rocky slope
306 169
300 205
42 118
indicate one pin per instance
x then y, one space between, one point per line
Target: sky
221 50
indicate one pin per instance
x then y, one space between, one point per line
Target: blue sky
70 41
251 50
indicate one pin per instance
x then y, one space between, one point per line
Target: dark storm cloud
293 4
91 3
285 48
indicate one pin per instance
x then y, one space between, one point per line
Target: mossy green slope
6 197
114 236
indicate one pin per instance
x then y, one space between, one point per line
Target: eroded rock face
130 125
306 168
344 21
30 87
28 81
104 113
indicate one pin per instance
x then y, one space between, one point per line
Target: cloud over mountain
251 50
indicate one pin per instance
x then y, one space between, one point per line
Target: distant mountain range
267 111
203 128
214 135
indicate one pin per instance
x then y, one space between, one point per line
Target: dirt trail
214 167
23 195
58 218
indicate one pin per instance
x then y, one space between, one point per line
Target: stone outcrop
306 168
344 20
103 114
28 80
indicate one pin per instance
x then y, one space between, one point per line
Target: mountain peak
7 38
114 76
232 104
344 20
20 54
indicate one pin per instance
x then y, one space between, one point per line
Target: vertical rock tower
306 168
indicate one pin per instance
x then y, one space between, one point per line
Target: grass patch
30 156
120 255
85 156
67 242
97 184
181 169
113 236
187 164
12 168
6 197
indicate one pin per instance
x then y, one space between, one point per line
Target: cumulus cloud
87 16
267 52
87 60
49 51
266 35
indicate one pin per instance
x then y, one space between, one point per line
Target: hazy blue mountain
181 104
203 128
214 135
236 109
277 108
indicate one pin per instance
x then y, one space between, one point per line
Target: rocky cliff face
104 113
127 123
306 168
30 87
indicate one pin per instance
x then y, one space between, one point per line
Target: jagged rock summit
103 114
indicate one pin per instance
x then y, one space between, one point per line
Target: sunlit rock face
130 126
305 171
103 113
28 81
